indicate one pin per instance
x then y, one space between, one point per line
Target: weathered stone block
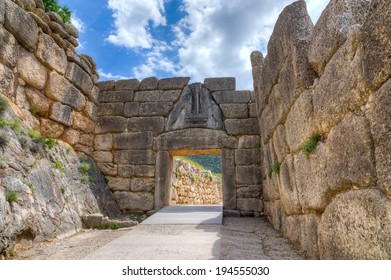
154 124
309 235
252 110
38 101
111 109
148 83
271 189
9 52
248 175
249 142
142 157
250 204
108 168
155 108
118 184
133 141
126 171
250 192
157 96
21 25
83 123
103 142
129 201
194 138
173 83
144 171
367 236
60 89
228 178
142 185
91 111
279 141
247 156
131 109
234 111
79 77
71 136
379 116
287 187
106 85
50 54
84 149
61 113
163 179
350 155
2 12
87 139
116 96
111 124
223 97
50 128
71 30
31 70
103 156
215 84
130 84
242 126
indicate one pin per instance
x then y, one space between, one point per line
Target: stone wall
143 124
330 83
191 185
40 71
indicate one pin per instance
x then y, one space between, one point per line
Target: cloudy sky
167 38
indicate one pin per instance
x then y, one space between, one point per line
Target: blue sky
168 38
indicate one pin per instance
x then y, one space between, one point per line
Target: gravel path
240 238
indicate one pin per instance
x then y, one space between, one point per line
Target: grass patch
44 141
308 147
12 196
58 165
270 174
85 179
34 111
31 186
3 105
115 226
84 167
276 167
4 138
63 190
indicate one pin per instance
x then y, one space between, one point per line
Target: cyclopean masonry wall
332 79
143 124
41 72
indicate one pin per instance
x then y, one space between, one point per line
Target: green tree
63 11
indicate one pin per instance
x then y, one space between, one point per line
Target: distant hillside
210 162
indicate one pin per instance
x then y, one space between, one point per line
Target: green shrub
38 138
12 196
84 167
270 173
58 165
3 105
85 179
62 11
4 138
31 186
193 179
34 111
115 226
309 146
276 167
63 189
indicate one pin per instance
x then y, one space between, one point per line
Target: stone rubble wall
131 138
332 79
191 185
41 72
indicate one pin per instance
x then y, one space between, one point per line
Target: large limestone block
139 201
291 228
71 136
133 141
141 157
249 142
146 171
118 184
109 169
238 96
21 25
154 124
242 126
341 89
31 70
157 96
111 109
103 156
9 51
257 61
106 85
83 123
234 111
91 110
38 101
142 185
149 83
250 192
379 116
248 174
356 225
224 83
7 81
279 141
376 37
228 179
271 189
163 180
130 84
247 156
350 155
116 96
61 113
50 54
2 12
331 30
250 204
131 109
79 77
287 187
173 83
103 142
155 108
275 213
286 70
50 128
111 124
196 138
60 89
309 225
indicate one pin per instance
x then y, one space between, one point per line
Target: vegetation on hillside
208 162
63 11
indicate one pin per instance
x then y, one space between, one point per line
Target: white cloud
132 20
110 76
78 23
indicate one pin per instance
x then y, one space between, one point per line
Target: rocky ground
244 238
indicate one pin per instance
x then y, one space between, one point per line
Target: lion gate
142 125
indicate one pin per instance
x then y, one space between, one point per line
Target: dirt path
244 238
